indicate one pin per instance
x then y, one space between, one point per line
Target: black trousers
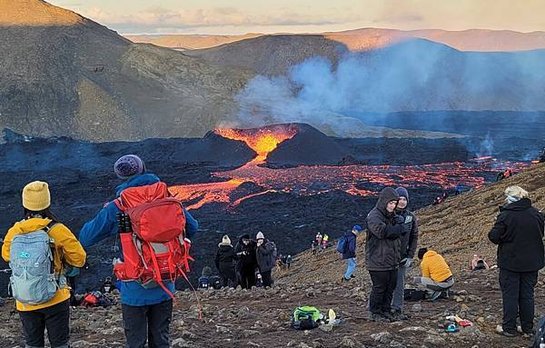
384 284
55 318
517 289
267 278
148 323
227 274
247 277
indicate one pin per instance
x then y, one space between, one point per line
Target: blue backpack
33 280
342 245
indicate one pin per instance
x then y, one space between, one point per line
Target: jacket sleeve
191 224
413 238
425 269
352 247
6 247
103 225
72 251
381 230
217 260
498 231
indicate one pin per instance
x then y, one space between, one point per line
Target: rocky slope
64 74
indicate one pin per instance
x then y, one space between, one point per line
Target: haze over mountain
481 40
64 74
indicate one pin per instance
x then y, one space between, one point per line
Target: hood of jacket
387 194
31 225
429 253
522 204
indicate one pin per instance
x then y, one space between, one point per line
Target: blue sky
296 16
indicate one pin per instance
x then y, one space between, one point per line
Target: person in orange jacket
53 311
436 275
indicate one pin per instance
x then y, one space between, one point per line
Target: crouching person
42 295
436 275
146 303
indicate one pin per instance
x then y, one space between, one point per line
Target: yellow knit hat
36 196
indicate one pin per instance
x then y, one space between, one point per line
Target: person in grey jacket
409 240
383 252
266 258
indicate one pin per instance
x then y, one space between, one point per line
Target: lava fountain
262 140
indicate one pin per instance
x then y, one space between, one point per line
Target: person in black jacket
409 240
266 258
225 262
518 232
247 261
383 252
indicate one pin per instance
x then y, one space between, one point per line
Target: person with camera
266 258
247 261
409 240
383 253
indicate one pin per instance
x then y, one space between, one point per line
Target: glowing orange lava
262 140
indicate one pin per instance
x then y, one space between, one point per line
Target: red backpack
154 245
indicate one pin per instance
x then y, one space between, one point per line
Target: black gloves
398 219
393 231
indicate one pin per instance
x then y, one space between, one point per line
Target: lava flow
261 140
362 180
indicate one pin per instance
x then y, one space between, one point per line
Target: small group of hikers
152 227
392 237
249 263
319 243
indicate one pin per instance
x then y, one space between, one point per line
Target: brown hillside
457 229
272 54
189 42
66 75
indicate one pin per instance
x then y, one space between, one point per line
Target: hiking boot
343 279
499 330
435 295
398 315
352 276
378 318
388 316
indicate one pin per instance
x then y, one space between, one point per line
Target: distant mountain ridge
480 40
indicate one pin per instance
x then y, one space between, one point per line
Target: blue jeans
350 267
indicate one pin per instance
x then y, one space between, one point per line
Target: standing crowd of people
154 231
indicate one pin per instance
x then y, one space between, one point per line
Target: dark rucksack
306 318
539 337
342 244
414 295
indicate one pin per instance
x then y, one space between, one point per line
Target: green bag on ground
306 318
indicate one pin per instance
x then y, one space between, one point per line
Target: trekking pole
7 270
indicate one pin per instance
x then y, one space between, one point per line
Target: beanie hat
36 196
259 235
128 165
402 192
226 240
357 228
515 194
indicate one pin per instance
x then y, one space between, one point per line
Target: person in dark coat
518 232
349 252
383 252
247 261
266 258
225 262
409 240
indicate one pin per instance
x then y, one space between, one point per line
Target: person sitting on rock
225 262
436 275
247 261
266 257
478 263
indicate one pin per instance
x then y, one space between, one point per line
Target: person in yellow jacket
436 275
67 252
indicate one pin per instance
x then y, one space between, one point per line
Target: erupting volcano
262 140
307 180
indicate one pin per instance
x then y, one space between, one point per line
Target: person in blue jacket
349 253
146 312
